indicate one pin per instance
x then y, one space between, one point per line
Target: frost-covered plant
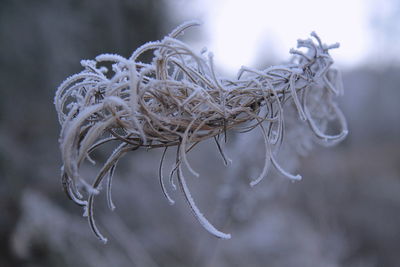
178 100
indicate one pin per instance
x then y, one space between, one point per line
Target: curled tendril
178 100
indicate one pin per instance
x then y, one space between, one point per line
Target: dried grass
178 100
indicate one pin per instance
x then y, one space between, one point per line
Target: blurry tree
385 24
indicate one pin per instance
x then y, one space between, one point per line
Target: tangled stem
178 100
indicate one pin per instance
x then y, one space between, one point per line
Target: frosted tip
297 177
255 182
224 236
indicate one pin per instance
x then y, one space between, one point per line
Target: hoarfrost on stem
178 100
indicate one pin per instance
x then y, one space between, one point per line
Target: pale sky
246 32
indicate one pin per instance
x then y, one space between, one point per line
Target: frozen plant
178 100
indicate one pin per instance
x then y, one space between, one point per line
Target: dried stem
178 99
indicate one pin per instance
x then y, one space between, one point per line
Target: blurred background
345 211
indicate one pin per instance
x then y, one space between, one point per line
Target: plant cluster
177 100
